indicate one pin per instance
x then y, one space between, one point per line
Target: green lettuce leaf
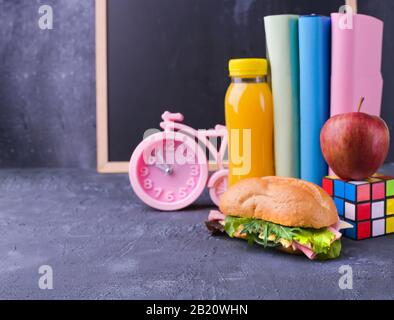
334 252
258 231
269 234
232 224
319 240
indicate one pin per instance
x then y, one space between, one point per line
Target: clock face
168 172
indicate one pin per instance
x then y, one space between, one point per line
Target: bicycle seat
173 117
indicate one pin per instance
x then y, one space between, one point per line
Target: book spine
283 55
315 54
357 42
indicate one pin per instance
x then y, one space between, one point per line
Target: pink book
356 63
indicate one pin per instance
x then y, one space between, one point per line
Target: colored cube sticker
390 225
363 192
378 227
390 206
364 211
351 232
351 192
328 186
390 188
364 230
378 191
339 188
377 209
350 211
340 204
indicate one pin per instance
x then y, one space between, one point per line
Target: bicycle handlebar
173 117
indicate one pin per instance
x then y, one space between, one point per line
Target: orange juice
249 120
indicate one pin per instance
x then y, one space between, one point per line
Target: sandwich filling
314 243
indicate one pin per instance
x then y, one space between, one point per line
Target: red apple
355 144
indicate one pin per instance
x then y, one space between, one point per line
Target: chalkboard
157 55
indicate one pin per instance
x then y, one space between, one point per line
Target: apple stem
360 104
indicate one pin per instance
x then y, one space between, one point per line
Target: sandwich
289 214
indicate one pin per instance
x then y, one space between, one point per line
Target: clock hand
165 168
162 165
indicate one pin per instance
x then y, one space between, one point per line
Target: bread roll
286 201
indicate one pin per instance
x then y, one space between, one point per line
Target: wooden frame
103 163
353 4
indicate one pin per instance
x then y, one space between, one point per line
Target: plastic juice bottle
249 120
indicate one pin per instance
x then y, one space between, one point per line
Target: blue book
315 66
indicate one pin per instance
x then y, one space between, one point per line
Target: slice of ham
307 249
336 227
337 234
215 222
215 215
308 252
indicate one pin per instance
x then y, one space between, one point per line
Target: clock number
190 182
151 160
170 196
182 192
148 184
194 170
158 192
144 171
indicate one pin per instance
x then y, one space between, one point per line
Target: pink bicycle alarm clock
169 169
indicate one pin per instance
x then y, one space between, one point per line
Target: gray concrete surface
103 243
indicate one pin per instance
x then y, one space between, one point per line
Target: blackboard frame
104 165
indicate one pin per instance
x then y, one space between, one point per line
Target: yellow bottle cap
245 68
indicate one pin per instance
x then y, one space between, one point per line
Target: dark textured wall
47 78
47 85
384 10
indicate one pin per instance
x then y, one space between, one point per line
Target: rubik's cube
368 205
